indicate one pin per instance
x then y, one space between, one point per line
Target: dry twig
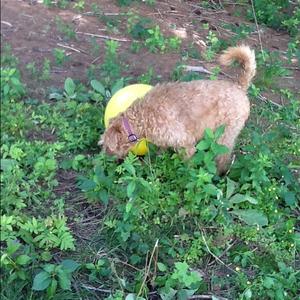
199 69
71 48
148 268
213 255
88 287
106 37
257 28
6 23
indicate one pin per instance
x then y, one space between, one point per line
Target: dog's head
115 139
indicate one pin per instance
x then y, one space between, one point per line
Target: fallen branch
215 256
203 70
206 297
91 13
6 23
88 287
197 69
257 28
261 97
106 37
233 243
71 48
147 271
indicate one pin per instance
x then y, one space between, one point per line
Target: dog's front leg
189 151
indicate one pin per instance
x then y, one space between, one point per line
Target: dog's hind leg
228 140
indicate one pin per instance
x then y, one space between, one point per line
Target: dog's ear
112 138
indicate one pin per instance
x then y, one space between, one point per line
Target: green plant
181 284
54 276
270 68
156 41
79 5
59 3
214 45
46 71
65 29
147 77
278 14
31 67
45 234
11 87
60 56
99 269
95 48
138 27
14 262
111 68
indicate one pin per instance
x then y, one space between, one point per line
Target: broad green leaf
70 86
248 294
135 259
268 282
98 87
131 296
182 267
12 247
219 149
203 145
290 198
117 86
230 187
79 157
131 188
209 133
41 281
90 266
128 207
55 96
64 280
21 274
23 259
239 198
87 185
70 265
185 294
49 268
219 131
104 196
167 293
211 189
7 163
52 288
100 175
161 267
251 217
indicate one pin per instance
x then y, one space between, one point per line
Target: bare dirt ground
30 28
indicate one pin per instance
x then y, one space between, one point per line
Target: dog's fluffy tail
246 58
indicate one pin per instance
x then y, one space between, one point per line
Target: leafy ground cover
77 224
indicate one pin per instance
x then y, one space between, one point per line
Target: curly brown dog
176 114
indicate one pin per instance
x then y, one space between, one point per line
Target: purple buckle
132 138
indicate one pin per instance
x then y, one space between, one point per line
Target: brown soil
32 32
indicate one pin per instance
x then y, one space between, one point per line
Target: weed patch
76 223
